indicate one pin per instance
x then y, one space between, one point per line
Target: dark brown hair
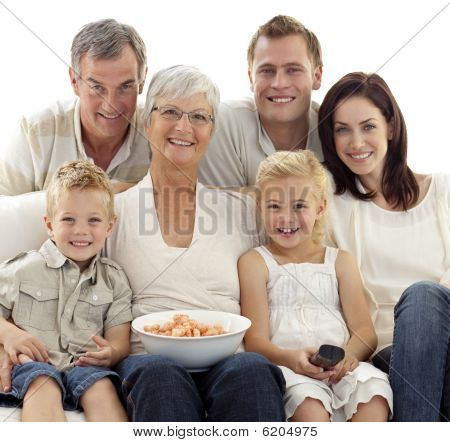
398 184
282 26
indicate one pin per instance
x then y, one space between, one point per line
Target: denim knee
251 362
156 388
146 367
251 383
422 295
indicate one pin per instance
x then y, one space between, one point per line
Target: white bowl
195 354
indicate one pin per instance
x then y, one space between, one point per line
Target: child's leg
43 401
101 403
376 410
311 410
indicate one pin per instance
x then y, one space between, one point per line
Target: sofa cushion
22 226
13 415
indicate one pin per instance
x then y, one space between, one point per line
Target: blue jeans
420 361
73 383
243 387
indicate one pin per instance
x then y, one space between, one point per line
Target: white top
240 143
202 276
304 304
45 140
305 310
394 249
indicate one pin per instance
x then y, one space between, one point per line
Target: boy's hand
105 356
349 363
6 366
302 365
18 342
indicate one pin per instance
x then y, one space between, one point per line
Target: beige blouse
201 276
394 249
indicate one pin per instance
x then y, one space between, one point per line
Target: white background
406 42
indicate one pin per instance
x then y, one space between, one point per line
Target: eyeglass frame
211 118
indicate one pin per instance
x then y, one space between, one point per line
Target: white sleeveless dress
305 310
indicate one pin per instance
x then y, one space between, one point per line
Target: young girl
300 294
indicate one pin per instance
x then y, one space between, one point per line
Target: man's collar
311 142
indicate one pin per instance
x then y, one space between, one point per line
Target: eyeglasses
196 118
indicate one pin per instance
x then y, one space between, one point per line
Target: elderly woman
179 243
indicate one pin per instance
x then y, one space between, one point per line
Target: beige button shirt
45 294
240 143
30 155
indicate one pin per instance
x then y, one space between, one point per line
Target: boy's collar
55 259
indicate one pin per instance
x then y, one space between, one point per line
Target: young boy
71 308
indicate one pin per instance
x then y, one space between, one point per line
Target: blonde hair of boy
302 164
79 175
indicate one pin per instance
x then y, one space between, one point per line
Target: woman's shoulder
128 196
226 199
434 187
442 189
441 181
231 194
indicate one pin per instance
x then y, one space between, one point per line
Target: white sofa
22 228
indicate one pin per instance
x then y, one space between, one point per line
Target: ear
74 81
317 78
321 208
390 128
249 72
141 84
49 225
112 223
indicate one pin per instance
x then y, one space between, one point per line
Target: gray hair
106 39
180 82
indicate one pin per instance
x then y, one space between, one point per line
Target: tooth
282 100
180 142
361 156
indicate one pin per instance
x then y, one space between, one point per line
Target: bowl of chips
198 339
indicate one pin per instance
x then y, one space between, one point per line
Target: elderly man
284 67
102 123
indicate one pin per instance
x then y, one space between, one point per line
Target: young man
284 67
102 124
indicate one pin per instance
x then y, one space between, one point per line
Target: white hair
180 82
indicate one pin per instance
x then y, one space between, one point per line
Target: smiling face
289 210
179 142
108 91
361 136
282 79
80 225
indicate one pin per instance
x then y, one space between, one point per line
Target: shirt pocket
37 307
92 308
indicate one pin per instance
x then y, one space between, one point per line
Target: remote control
328 356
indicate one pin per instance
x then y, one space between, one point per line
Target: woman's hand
349 363
6 366
106 356
17 341
300 363
119 186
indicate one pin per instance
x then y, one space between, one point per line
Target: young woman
396 223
